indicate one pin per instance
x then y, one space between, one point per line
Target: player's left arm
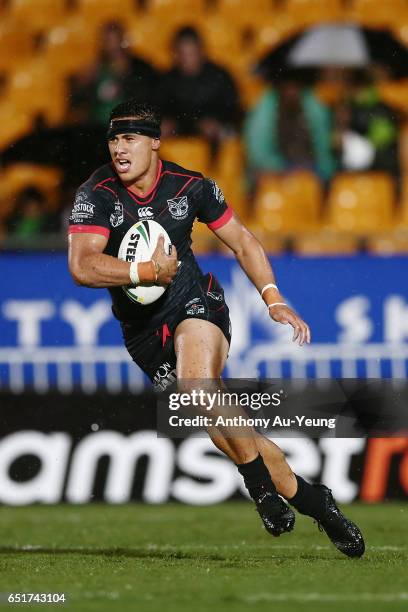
253 260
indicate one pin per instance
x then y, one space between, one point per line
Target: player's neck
144 184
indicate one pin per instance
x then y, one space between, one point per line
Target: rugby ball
137 245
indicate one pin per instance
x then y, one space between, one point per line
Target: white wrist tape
134 276
269 286
277 304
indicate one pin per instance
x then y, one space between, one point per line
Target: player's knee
269 450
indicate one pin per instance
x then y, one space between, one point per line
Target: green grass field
180 558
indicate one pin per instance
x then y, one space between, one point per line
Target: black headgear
133 126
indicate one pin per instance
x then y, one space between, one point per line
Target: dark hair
134 108
187 33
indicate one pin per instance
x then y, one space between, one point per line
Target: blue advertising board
55 334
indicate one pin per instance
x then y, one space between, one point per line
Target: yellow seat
140 32
246 14
375 13
389 243
168 6
17 177
36 90
222 41
189 152
229 172
203 239
15 123
271 33
402 212
326 243
361 203
102 11
395 93
272 243
289 204
37 16
70 46
308 12
16 45
230 161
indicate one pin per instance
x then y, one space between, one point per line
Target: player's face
132 155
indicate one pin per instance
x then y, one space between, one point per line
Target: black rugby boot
276 516
344 534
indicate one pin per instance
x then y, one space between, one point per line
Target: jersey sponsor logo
164 377
131 247
193 301
215 295
83 208
145 212
195 309
219 196
117 217
178 207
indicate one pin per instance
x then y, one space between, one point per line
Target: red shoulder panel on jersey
89 229
221 221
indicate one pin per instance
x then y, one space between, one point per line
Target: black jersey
103 205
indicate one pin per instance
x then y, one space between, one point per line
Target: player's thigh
201 349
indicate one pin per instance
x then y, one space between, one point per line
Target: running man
170 338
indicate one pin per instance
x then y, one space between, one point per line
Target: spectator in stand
197 96
30 218
366 135
289 129
116 76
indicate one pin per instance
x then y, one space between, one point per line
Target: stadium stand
374 13
392 243
70 46
312 12
361 203
15 123
35 89
17 177
35 17
97 12
42 43
326 242
288 205
188 152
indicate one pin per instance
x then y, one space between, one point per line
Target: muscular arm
91 267
249 253
253 260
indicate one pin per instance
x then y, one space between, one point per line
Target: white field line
325 597
207 547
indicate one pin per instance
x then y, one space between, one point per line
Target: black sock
256 477
308 499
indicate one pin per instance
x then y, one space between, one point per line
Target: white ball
138 245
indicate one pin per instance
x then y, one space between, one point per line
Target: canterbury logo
145 211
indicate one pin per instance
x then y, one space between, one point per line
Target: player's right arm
91 267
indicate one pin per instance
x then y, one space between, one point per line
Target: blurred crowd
323 121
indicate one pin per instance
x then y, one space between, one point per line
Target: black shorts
153 349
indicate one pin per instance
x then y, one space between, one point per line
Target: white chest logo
178 207
116 217
145 212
